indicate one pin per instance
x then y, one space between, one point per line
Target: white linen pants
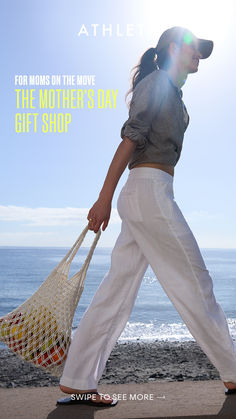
153 232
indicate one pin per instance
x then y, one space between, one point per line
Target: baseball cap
178 34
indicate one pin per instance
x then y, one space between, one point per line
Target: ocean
23 269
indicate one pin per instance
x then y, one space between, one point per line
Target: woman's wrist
106 197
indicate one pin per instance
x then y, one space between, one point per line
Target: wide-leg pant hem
78 384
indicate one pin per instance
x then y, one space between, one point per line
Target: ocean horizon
23 269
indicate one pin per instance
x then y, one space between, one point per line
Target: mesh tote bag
39 330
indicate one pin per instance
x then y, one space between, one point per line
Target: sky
49 180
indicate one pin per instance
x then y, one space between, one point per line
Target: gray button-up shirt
157 120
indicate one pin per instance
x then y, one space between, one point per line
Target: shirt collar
178 90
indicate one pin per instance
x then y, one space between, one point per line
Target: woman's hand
98 214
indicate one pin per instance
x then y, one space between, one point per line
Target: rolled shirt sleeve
145 102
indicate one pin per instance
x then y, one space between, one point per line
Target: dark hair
149 62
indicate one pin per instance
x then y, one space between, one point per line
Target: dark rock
128 362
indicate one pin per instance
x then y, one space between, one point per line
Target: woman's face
187 57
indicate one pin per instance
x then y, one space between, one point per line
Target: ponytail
148 62
146 65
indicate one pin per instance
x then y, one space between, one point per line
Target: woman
153 229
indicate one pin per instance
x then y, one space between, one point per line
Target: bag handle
83 270
65 264
79 240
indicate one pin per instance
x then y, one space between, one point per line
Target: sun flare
209 19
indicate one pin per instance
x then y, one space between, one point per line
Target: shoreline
133 362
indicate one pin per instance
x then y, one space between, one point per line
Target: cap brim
205 47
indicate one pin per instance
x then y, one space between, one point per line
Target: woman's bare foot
229 385
96 397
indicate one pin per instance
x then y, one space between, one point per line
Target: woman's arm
101 210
